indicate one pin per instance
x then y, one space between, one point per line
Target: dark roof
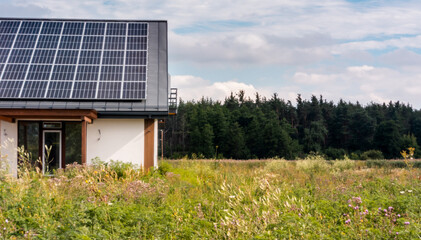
156 100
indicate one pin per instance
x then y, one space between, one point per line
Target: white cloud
365 84
194 88
313 78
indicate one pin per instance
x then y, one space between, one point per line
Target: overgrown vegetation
243 128
185 199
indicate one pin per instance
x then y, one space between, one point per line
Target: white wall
9 141
120 139
155 151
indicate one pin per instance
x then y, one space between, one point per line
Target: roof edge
134 114
79 19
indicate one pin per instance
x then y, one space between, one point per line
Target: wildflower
406 223
347 221
409 191
402 192
399 215
384 210
357 199
397 233
349 205
7 221
299 214
390 208
356 208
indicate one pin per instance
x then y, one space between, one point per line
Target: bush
313 164
342 165
334 153
390 164
372 154
355 155
164 167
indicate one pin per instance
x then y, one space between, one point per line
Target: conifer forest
243 128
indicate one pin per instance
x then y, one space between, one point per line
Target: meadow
219 199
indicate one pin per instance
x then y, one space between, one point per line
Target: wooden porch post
149 144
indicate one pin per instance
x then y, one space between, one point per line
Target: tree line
243 128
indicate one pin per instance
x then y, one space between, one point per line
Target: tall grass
278 199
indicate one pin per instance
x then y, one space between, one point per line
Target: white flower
402 192
110 203
409 190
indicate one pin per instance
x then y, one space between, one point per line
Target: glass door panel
52 151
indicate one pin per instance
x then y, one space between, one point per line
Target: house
83 88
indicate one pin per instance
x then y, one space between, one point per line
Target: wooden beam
15 113
7 119
149 146
84 142
86 119
46 118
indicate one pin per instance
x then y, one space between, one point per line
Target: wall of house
116 139
8 141
155 158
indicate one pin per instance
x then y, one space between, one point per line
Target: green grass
307 199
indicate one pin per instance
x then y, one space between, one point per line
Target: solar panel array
73 59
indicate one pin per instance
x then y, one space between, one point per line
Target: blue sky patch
213 26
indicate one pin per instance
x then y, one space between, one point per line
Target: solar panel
62 59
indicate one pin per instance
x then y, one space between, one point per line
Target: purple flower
299 214
349 205
399 215
397 233
390 208
384 210
406 223
347 221
356 207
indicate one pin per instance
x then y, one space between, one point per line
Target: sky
355 50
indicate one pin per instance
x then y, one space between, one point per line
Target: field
186 199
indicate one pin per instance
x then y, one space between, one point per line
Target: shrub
334 153
342 165
164 167
120 168
313 164
390 164
372 154
355 155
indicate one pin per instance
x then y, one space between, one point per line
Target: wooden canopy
85 115
10 115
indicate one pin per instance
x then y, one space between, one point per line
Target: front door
51 157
